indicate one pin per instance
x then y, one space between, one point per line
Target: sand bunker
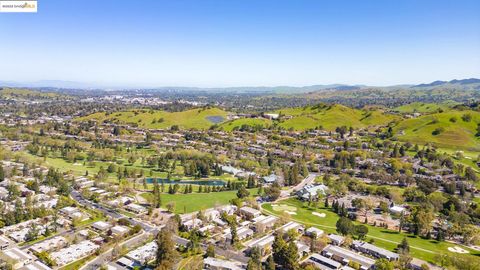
457 249
322 215
291 212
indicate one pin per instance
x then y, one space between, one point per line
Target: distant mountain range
463 84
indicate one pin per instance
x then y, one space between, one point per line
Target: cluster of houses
360 255
111 200
256 230
138 257
64 244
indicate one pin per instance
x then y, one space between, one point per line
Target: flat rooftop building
18 256
323 262
4 243
262 243
144 253
345 256
74 252
292 225
314 231
249 212
101 226
219 264
36 265
374 250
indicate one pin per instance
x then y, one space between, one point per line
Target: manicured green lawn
420 248
80 168
186 203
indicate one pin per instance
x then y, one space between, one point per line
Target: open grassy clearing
200 118
237 123
186 203
330 117
27 93
421 107
79 169
456 133
420 248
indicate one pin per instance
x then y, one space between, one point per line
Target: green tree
255 262
166 253
2 174
270 265
233 231
383 264
242 192
403 247
361 231
278 247
291 256
210 251
345 226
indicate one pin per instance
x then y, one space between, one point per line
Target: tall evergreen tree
166 253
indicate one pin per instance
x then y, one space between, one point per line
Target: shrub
467 117
437 131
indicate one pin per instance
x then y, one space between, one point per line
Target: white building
101 226
144 253
210 263
250 213
74 252
19 257
136 208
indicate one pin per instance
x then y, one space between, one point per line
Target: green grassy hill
200 118
11 93
425 107
453 131
330 117
237 123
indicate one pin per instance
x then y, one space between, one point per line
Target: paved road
149 230
307 181
106 257
112 213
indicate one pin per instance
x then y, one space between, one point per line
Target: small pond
216 119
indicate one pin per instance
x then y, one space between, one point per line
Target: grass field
186 203
200 118
330 117
79 169
458 135
421 107
420 248
26 93
230 125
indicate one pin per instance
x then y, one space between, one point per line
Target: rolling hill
17 93
237 123
331 116
421 107
200 118
446 129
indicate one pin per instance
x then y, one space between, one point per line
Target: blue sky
242 43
